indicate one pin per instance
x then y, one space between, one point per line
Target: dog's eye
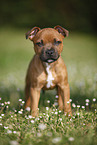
57 42
40 44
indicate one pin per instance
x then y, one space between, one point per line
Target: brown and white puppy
47 69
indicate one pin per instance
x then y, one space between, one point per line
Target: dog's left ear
30 34
61 30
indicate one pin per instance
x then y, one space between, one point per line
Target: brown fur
36 78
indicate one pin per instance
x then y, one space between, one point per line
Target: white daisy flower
42 126
56 140
94 99
87 100
71 138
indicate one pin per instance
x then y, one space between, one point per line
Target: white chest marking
49 76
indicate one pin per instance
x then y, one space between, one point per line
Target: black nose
50 51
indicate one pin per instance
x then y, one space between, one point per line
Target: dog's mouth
49 60
49 55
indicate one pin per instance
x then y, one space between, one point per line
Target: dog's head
48 42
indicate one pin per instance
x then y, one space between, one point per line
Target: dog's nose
50 51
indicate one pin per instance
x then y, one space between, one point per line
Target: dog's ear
61 30
30 34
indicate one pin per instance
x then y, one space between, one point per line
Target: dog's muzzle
49 55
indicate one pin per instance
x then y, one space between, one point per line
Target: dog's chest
50 77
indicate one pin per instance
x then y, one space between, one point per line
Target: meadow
17 126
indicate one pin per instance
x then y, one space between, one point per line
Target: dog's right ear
30 34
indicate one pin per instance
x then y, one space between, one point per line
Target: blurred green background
80 48
74 14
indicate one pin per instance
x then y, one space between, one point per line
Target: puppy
47 69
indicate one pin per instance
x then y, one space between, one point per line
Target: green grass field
51 127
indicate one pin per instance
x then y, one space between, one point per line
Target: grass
51 126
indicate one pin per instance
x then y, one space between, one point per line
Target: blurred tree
73 14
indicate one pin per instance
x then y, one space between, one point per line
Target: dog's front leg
60 99
66 98
65 92
35 96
